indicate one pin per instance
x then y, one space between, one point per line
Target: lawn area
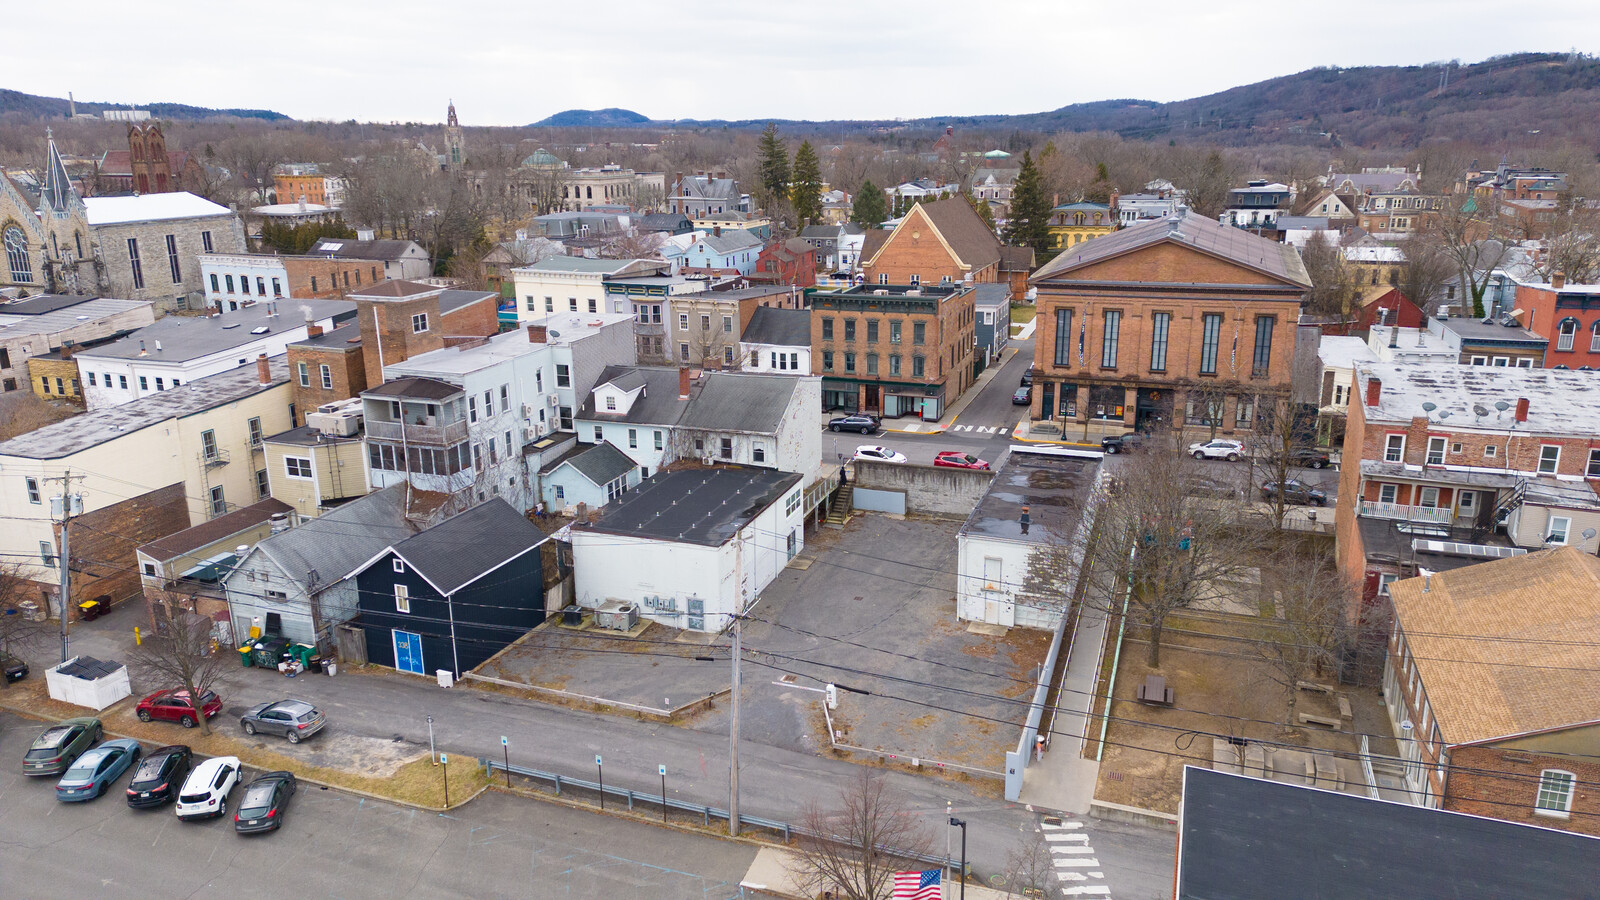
1022 314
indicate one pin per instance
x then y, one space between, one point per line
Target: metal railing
707 813
1436 514
451 433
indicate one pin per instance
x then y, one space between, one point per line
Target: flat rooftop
696 506
1344 352
183 338
345 336
1489 331
1559 401
94 428
1055 489
306 436
563 328
466 358
61 318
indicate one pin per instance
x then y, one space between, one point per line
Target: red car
955 459
174 706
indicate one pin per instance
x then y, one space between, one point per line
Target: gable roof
120 162
344 248
964 230
182 542
1016 259
601 463
732 241
783 327
658 405
745 402
1234 245
1540 672
334 543
873 241
468 546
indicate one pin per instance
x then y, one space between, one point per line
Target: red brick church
147 166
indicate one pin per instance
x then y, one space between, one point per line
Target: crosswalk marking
1072 850
1085 890
1078 836
1076 863
1073 859
1071 876
1047 826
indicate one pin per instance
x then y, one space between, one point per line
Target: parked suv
205 793
57 746
15 668
159 776
1310 459
862 423
294 719
1122 443
1295 492
1221 448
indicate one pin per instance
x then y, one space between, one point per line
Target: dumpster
89 610
244 655
268 652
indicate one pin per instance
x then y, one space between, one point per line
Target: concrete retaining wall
929 490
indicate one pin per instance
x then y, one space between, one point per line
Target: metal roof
183 338
468 546
1213 238
696 506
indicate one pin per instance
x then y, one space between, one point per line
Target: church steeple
454 142
58 193
450 118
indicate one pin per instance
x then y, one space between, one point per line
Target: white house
402 260
1019 553
1340 355
227 270
777 341
179 349
574 284
692 548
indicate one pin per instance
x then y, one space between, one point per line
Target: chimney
313 331
1522 409
1558 280
538 334
67 349
716 231
142 351
263 369
683 383
1394 336
1374 390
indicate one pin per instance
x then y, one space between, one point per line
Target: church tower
455 146
147 151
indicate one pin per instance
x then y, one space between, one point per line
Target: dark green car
55 749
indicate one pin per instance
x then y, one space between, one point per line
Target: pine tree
774 165
870 208
981 207
1099 190
1030 211
806 190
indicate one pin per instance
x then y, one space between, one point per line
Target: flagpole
944 889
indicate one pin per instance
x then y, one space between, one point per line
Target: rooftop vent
260 330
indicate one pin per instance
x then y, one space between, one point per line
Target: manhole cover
1052 820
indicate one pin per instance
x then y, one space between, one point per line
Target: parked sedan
1310 459
1220 448
174 706
159 776
15 668
1122 443
264 803
1022 396
96 769
294 719
878 454
57 746
862 423
205 793
1295 492
955 459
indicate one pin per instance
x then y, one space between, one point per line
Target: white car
878 454
1217 449
205 793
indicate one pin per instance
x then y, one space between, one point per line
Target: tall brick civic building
1180 320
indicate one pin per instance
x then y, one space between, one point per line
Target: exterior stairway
839 510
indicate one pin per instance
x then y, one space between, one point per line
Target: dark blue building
454 595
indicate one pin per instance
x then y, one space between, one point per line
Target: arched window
1565 333
1594 337
17 255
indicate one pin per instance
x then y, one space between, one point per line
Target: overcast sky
511 63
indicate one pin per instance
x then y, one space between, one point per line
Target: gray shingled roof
412 387
348 249
601 464
466 547
784 327
746 402
335 543
183 338
732 241
1205 235
658 405
629 380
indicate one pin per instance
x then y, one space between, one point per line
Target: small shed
86 681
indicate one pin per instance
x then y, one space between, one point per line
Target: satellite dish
1479 411
1502 405
1430 406
1589 533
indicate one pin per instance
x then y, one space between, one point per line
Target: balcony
214 457
437 435
1432 514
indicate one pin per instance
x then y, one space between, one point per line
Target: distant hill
34 105
594 118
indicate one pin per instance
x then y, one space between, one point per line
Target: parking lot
337 845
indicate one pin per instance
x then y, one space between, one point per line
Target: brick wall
346 366
1518 452
915 249
398 340
318 277
481 319
1504 784
104 542
62 376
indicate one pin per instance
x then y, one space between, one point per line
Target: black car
862 423
264 803
1022 396
1027 377
159 776
1310 459
15 669
1295 492
1122 443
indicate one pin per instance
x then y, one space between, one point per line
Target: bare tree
1572 246
181 652
854 848
1303 628
1474 242
1425 273
1333 284
1030 867
18 633
1278 445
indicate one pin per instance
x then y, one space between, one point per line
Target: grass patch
1022 315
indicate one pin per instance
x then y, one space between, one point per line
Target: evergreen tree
806 191
870 207
1029 225
1099 190
981 207
773 172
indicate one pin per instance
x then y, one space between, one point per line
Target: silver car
294 719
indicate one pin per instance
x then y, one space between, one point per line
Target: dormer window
611 403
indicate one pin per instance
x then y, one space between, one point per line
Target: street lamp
962 824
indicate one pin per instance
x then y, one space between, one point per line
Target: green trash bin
244 656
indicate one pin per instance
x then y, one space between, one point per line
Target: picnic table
1155 692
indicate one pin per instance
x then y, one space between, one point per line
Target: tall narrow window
1108 341
1063 337
1435 451
1263 355
17 255
172 259
208 443
205 241
1210 336
134 265
1160 324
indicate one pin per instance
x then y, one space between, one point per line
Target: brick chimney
1558 280
1374 390
538 334
263 369
716 231
683 382
1522 409
313 331
67 349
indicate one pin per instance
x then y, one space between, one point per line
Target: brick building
1568 316
326 367
231 280
944 242
1490 687
1441 458
791 262
147 166
706 325
401 319
1179 317
894 350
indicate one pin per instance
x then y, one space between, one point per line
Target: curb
624 814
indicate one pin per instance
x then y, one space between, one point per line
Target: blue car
96 769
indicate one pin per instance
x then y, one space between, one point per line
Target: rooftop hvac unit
344 423
618 615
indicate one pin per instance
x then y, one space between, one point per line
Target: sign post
506 746
663 770
444 764
600 767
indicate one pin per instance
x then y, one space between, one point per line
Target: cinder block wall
929 490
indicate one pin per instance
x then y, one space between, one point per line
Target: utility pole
63 507
733 741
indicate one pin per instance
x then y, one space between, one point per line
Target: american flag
916 885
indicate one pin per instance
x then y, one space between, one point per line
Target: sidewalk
772 874
1064 781
960 405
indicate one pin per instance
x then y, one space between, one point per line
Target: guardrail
707 813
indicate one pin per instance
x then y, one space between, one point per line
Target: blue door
408 652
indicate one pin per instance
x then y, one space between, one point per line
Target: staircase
839 511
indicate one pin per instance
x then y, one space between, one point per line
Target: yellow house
313 471
1074 223
733 220
206 435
